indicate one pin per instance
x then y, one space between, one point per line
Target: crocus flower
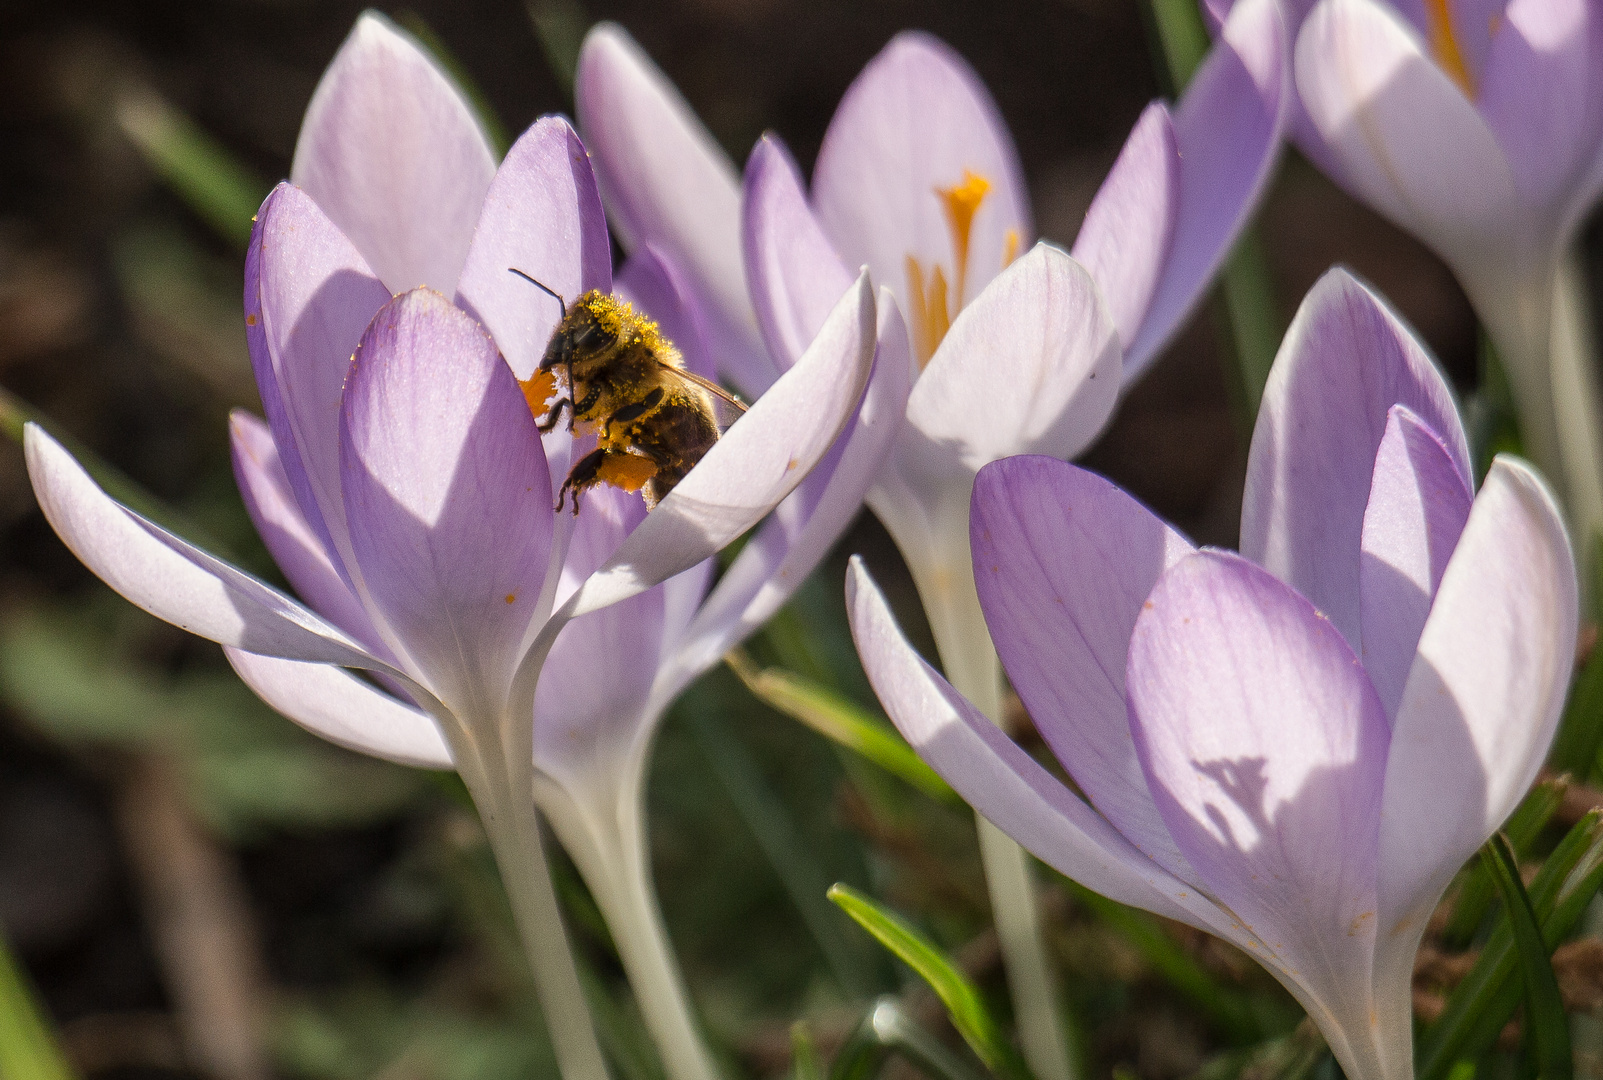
918 180
400 481
1477 126
1295 747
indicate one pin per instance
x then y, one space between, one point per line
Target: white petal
337 706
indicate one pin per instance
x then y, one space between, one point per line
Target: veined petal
391 151
917 121
1032 366
666 181
1418 503
1541 93
542 215
1265 749
312 299
654 284
171 578
448 494
298 551
1484 695
1126 235
758 461
1407 140
1001 781
335 705
1347 359
1063 561
590 700
1228 129
803 528
792 267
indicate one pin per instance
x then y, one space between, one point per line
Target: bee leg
585 473
549 424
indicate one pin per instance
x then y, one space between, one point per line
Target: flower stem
1540 323
513 826
972 667
610 851
1574 351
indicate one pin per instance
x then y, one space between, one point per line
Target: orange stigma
1445 45
931 309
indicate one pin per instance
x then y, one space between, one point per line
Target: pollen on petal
538 390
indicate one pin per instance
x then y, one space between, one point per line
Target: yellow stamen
960 202
1445 45
1010 248
928 312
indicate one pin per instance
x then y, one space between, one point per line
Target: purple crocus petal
391 151
1228 129
1403 136
1347 359
1542 92
335 705
666 181
915 121
758 461
1418 503
447 490
171 578
542 216
594 685
998 779
298 551
314 297
802 529
1265 746
792 267
1063 561
1475 24
1484 696
1040 330
1125 238
654 284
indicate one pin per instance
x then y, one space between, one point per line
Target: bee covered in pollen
620 379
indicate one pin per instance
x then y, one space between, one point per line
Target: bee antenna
542 287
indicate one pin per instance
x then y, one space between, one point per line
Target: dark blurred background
197 889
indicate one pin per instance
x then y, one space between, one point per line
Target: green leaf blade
1544 1008
962 999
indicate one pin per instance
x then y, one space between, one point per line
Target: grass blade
1477 892
962 999
776 833
223 192
28 1047
843 722
1479 1006
1544 1008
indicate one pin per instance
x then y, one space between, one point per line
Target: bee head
596 322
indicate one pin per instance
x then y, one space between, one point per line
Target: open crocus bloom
1477 126
1296 747
918 179
400 480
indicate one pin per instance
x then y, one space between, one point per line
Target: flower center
1445 45
931 314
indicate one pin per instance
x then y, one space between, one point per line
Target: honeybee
618 376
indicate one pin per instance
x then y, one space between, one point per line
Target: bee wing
726 406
